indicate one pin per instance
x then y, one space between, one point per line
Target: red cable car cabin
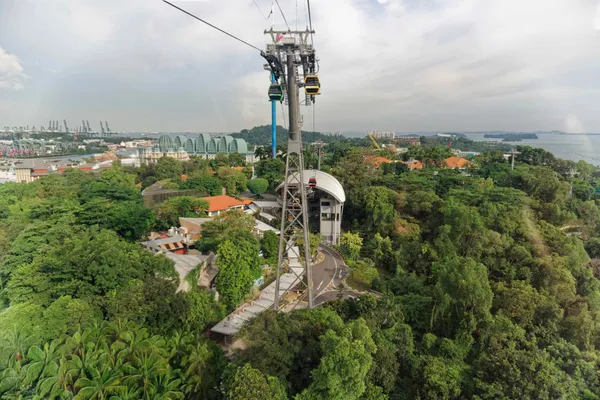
312 183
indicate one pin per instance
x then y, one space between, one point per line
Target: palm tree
144 369
42 363
128 393
196 363
56 386
166 387
99 387
14 349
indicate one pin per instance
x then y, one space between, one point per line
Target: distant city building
382 135
30 170
203 145
408 140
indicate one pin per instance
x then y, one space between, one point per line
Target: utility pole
294 215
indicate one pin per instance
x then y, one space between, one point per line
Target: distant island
511 137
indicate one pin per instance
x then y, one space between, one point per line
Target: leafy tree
363 270
462 289
203 183
592 247
347 357
272 170
351 245
432 156
315 242
91 262
237 160
287 345
167 167
380 210
258 186
249 383
381 251
269 245
169 212
233 180
237 258
219 229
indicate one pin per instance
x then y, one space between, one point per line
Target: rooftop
457 162
376 161
325 182
223 202
413 164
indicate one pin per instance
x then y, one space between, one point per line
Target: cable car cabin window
275 90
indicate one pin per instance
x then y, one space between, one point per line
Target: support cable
283 115
282 14
310 23
211 25
261 13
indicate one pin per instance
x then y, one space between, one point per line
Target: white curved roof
325 182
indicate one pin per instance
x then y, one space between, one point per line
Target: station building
202 144
325 205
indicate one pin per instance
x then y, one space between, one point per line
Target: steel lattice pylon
296 268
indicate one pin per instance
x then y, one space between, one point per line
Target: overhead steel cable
261 13
211 25
282 14
310 23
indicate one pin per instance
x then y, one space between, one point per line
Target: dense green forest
486 286
261 135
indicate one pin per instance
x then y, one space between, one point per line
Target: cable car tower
293 49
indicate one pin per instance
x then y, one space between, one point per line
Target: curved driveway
327 275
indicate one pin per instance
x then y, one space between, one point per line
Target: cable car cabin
275 92
312 183
312 85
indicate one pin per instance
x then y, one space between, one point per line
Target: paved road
329 272
327 277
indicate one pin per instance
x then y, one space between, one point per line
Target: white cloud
12 74
393 64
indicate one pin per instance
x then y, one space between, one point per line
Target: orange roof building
457 162
413 164
376 161
219 204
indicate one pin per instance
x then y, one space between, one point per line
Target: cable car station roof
325 182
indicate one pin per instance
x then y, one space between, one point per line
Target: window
327 217
326 203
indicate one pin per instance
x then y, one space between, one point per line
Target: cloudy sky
402 65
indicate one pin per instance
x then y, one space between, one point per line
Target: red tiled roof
413 164
457 162
222 203
376 161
